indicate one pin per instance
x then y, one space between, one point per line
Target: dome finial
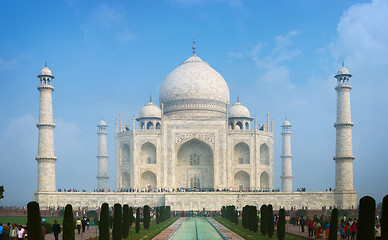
343 64
238 98
194 47
45 63
150 98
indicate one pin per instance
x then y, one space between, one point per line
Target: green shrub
48 227
333 224
117 232
236 218
157 215
367 209
68 223
92 214
131 220
33 221
104 222
281 225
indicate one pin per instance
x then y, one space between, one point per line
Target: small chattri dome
343 70
45 71
238 110
150 110
102 123
286 123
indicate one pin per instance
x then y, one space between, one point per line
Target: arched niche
150 126
125 180
148 181
264 180
199 153
125 154
148 153
241 180
241 153
264 154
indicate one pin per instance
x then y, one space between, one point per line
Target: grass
150 233
246 234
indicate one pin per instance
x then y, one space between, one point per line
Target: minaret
102 175
46 156
343 150
286 158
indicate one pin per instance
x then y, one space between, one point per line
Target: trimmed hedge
367 209
281 225
117 232
126 220
333 224
104 222
68 223
33 221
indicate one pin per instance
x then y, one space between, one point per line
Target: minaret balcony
350 124
45 87
343 86
45 125
344 159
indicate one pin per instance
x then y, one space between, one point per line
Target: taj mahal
196 150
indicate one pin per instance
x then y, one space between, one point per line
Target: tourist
353 229
310 226
88 223
13 232
1 231
378 231
43 232
342 231
21 232
317 227
302 223
327 228
83 222
56 229
347 231
6 230
78 223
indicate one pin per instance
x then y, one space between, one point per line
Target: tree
333 224
137 226
131 220
104 222
281 225
384 219
68 223
270 221
244 217
1 192
254 218
236 218
146 217
366 215
33 221
126 220
263 223
117 232
157 215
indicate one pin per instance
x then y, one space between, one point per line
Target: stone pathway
296 230
169 232
228 234
91 233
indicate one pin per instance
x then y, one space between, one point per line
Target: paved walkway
91 233
224 231
296 230
169 232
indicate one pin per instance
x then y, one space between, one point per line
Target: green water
196 228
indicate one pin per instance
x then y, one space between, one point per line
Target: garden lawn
149 233
246 234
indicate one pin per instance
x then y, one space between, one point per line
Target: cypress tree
117 232
146 217
125 220
384 219
137 226
333 224
270 220
243 215
367 209
33 221
254 219
168 212
104 222
157 215
68 223
236 218
281 225
223 212
263 223
131 220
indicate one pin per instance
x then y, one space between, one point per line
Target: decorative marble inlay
180 137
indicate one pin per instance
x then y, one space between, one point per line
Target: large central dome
194 86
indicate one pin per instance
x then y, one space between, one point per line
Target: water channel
196 228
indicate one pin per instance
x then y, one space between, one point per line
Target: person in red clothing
353 230
347 231
310 225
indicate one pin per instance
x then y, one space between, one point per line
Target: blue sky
111 56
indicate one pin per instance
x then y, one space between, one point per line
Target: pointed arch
241 153
150 126
264 154
247 126
239 125
264 180
148 180
157 126
125 154
148 153
125 180
241 180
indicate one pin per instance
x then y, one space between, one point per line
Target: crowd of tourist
196 190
